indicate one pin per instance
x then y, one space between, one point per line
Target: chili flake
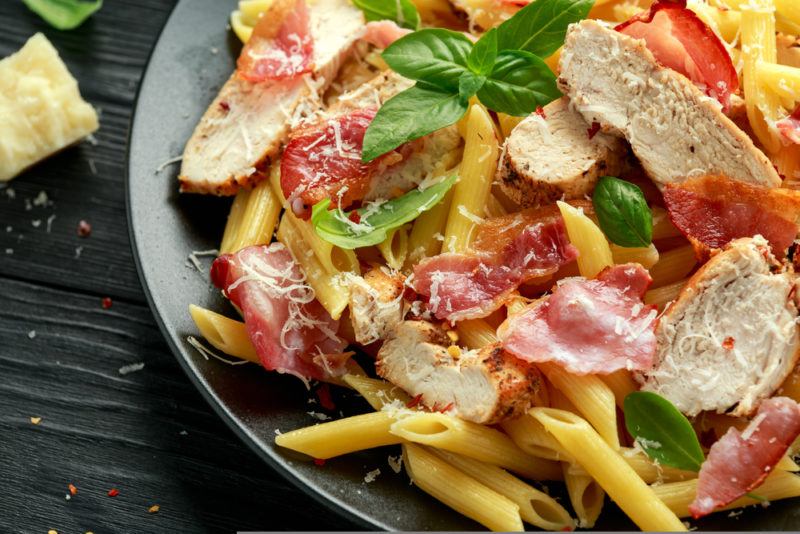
593 130
354 216
72 489
84 228
224 105
414 402
113 492
728 343
319 462
107 302
540 112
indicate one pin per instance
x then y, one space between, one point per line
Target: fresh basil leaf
540 27
484 52
623 212
662 431
409 115
518 84
433 55
469 84
63 14
403 12
374 224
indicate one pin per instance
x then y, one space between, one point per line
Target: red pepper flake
540 112
409 295
224 105
72 489
319 462
414 402
113 492
728 343
324 396
593 130
107 302
84 228
446 408
354 216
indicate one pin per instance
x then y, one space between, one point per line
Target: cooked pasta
621 383
673 266
531 436
228 335
252 219
647 256
476 333
585 494
665 294
594 252
427 232
378 393
394 248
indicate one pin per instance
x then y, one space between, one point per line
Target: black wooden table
147 434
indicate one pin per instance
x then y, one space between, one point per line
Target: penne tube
234 222
256 222
225 334
679 495
591 397
531 436
651 472
479 442
459 491
662 225
585 495
427 232
782 80
621 383
494 208
331 293
508 123
664 294
535 507
647 256
378 393
252 9
343 436
594 252
673 266
334 260
608 468
477 170
476 333
394 248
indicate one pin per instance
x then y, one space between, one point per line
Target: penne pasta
608 468
585 494
594 252
252 220
394 248
662 225
225 334
459 491
647 256
494 208
531 436
782 80
535 507
427 232
476 333
475 441
508 123
234 222
664 294
679 495
378 393
673 266
472 191
621 383
343 436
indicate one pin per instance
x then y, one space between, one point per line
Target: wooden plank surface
147 433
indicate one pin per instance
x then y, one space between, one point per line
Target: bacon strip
714 210
290 330
680 40
740 460
467 286
276 52
589 326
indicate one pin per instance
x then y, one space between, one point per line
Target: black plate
193 57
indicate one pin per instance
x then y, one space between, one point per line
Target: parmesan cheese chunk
41 108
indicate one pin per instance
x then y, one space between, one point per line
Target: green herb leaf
484 52
63 14
469 84
518 84
540 27
335 226
403 12
662 431
409 115
623 212
434 55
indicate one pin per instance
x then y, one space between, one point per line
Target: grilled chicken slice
674 130
731 337
246 124
555 155
376 304
485 386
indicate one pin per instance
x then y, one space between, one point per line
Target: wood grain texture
148 433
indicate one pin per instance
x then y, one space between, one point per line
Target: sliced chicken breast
485 386
731 337
376 303
674 130
246 124
556 155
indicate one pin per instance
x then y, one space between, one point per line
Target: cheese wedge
41 109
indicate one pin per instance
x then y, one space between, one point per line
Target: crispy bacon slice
323 160
790 127
290 330
467 286
278 51
589 326
382 33
741 460
714 210
681 41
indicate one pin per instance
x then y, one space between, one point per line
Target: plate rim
357 517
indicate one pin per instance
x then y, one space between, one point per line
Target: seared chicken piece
674 130
376 304
485 386
557 155
246 124
731 337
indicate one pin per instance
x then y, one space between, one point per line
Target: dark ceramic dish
193 57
